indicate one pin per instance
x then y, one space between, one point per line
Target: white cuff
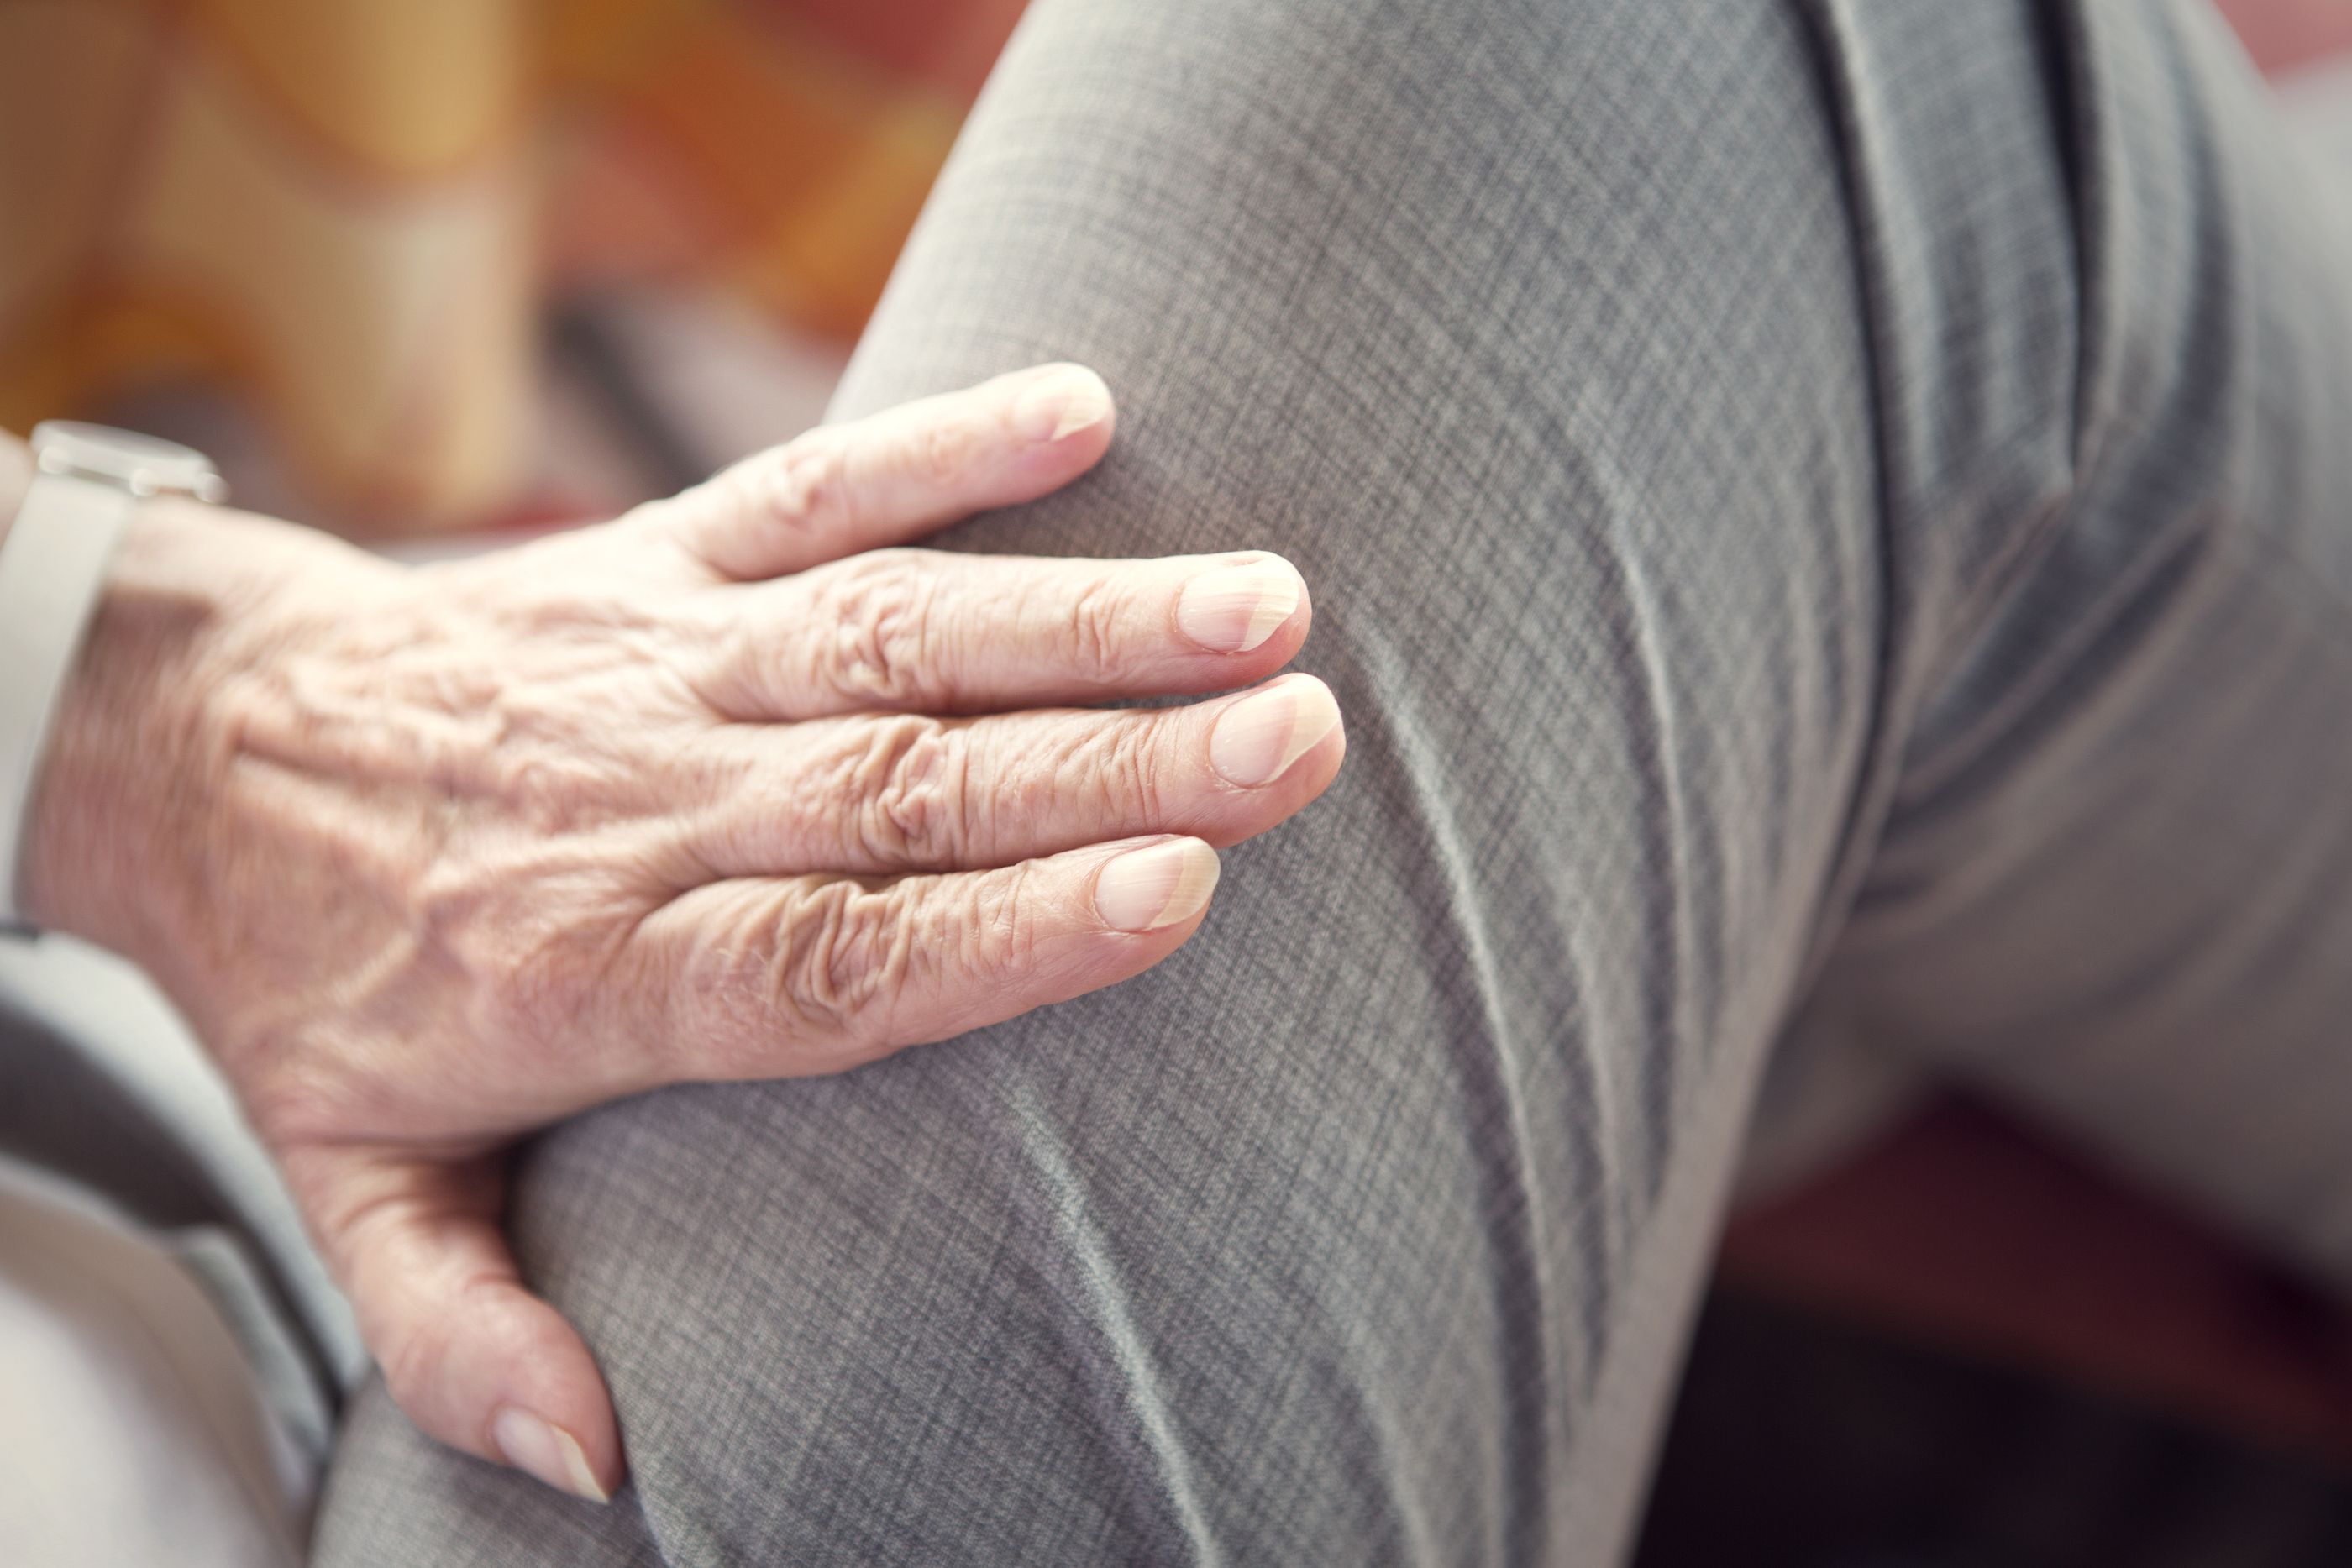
52 565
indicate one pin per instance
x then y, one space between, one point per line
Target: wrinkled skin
433 856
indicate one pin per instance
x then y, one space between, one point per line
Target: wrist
134 775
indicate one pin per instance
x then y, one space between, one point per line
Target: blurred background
414 269
404 267
409 266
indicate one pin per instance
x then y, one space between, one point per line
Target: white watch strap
52 563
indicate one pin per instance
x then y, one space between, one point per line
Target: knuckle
878 616
798 485
542 791
1093 630
913 808
1129 765
939 455
844 954
1003 920
411 1367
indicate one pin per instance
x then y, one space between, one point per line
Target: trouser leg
1664 403
2114 885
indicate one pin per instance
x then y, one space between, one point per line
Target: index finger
894 475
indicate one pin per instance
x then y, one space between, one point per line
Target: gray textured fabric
1847 501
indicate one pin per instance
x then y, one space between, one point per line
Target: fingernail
1257 740
1062 403
545 1451
1233 609
1144 890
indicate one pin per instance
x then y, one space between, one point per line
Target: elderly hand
430 857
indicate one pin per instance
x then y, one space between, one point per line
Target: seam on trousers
1879 754
2096 174
1117 1347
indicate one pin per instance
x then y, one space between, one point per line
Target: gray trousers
1831 523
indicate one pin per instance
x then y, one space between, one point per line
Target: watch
86 481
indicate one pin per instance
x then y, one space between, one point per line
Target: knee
1346 263
985 1305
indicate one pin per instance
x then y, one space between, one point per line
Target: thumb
472 1356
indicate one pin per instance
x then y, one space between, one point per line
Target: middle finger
929 631
880 795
